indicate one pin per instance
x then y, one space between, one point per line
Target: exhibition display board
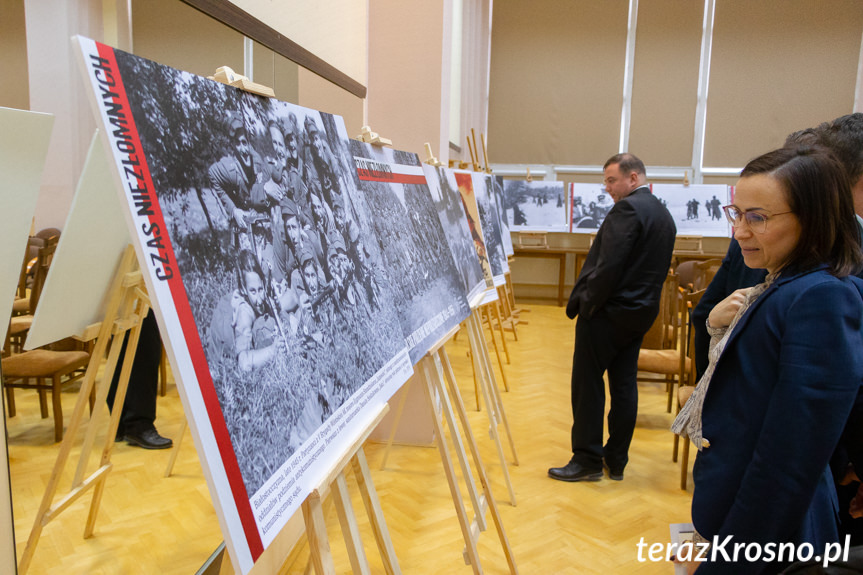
536 205
696 208
24 139
230 200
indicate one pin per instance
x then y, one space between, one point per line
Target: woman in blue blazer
786 363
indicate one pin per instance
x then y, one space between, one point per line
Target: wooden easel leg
316 533
350 529
505 349
506 312
494 400
396 420
449 376
461 513
376 516
487 382
436 381
499 317
102 387
175 450
116 412
46 511
473 366
486 314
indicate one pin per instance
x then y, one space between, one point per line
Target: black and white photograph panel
450 209
696 208
536 206
482 185
463 181
279 267
589 204
500 205
428 292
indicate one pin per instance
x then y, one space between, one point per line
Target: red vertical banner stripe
164 265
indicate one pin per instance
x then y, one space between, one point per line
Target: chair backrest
687 337
706 270
656 337
686 274
43 263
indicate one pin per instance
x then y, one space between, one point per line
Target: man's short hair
627 163
843 136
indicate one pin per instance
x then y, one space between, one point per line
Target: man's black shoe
615 474
574 472
148 439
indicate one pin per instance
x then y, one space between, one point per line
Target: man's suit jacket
627 263
775 409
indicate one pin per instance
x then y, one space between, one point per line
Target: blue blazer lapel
781 280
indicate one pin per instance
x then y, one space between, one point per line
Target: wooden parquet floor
151 524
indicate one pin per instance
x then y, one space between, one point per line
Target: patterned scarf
688 421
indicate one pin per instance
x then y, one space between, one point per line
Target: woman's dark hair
819 194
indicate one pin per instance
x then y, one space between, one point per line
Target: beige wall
14 89
317 93
277 72
334 31
405 83
175 34
161 33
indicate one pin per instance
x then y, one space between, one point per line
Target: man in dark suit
616 298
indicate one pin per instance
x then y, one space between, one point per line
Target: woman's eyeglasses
756 221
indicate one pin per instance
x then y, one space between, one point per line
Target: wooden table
560 253
553 253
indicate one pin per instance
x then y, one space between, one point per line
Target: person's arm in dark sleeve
621 231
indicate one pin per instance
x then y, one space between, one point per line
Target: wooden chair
19 325
687 273
696 275
21 305
669 363
658 353
44 370
705 271
662 334
687 380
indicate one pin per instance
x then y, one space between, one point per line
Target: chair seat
43 363
660 361
20 324
21 306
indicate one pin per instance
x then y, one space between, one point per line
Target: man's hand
240 218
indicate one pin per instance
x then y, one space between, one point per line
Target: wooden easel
313 514
492 315
438 377
491 395
440 382
335 482
127 306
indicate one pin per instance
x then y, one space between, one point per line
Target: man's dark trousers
139 407
600 345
